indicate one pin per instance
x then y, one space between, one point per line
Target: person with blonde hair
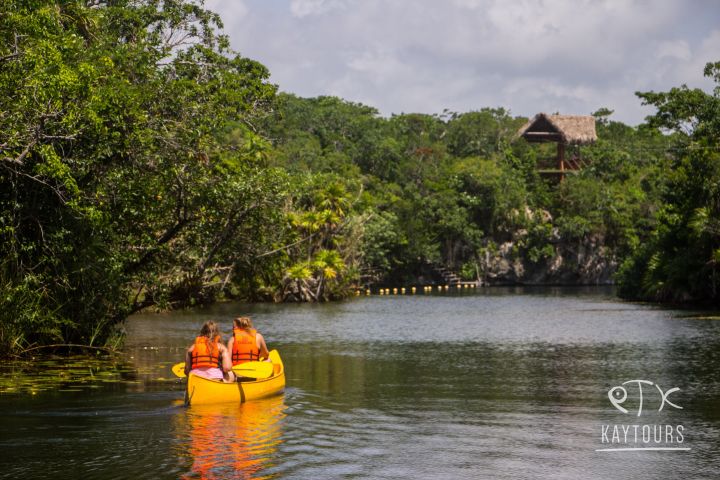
246 344
208 357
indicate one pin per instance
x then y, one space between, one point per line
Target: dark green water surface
503 383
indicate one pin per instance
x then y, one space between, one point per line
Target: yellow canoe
202 391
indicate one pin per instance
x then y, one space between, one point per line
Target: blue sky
529 56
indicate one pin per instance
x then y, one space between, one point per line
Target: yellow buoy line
414 290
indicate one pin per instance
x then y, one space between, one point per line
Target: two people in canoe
209 358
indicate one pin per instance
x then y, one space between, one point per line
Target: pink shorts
213 373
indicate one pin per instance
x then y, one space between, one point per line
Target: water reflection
230 440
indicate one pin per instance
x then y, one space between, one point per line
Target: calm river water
502 383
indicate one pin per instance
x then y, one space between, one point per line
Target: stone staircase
369 277
449 277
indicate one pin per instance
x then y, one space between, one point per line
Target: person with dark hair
208 357
246 344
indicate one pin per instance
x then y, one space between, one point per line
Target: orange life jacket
204 355
245 347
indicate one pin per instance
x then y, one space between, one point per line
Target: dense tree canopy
117 187
681 260
458 189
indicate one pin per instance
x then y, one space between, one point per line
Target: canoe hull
201 391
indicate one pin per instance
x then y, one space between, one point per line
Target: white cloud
525 55
380 66
304 8
676 49
469 4
231 10
710 48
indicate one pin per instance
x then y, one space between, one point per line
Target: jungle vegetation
144 164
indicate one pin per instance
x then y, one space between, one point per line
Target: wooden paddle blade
179 369
254 369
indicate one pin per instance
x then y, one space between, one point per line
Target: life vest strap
245 347
204 355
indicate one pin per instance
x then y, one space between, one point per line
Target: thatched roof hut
566 129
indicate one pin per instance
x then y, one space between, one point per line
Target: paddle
254 369
179 369
247 369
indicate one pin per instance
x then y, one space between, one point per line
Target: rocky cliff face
579 264
573 262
